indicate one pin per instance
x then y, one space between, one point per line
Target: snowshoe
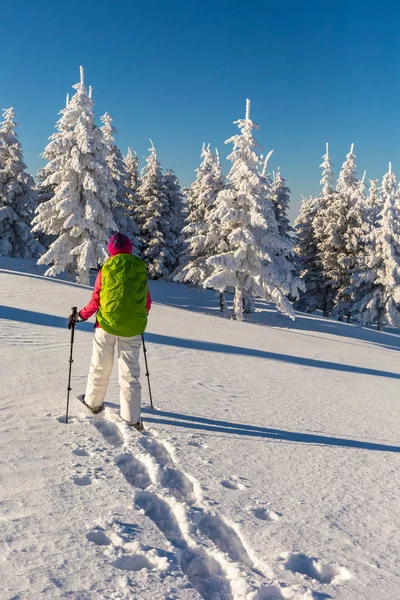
138 426
95 410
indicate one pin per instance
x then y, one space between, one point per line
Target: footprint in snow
197 442
232 484
315 569
98 537
85 480
133 562
80 452
109 431
265 514
133 470
157 450
178 484
225 538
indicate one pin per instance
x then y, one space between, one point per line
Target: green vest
123 296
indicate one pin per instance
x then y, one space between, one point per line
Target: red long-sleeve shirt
94 303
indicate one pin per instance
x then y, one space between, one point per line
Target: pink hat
119 244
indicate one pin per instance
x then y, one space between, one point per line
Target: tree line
228 233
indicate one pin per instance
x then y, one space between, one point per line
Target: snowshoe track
202 569
207 550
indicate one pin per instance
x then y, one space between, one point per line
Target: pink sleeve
93 305
148 303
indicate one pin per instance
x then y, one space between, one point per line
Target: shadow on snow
278 435
35 318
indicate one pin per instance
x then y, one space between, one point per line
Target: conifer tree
373 206
115 162
255 261
340 247
79 212
202 235
17 196
152 213
309 265
131 162
281 201
380 303
320 235
176 217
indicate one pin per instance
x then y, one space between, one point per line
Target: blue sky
180 71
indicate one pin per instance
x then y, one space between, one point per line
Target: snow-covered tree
320 235
380 303
17 196
255 262
281 201
152 214
120 205
176 218
202 235
309 265
373 206
340 247
131 162
79 212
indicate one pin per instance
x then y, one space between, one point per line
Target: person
122 301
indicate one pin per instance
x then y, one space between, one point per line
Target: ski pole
147 371
74 317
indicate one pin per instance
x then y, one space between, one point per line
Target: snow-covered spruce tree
176 218
79 213
339 247
44 190
380 303
308 263
281 201
202 236
120 205
324 201
373 206
43 194
17 196
255 261
152 214
358 216
131 162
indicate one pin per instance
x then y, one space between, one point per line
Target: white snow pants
128 349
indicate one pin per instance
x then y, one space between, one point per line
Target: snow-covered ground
270 469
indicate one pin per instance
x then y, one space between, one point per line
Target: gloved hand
73 319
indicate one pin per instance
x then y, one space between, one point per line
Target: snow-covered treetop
264 172
347 177
108 128
131 161
327 173
389 186
373 203
79 212
152 213
16 184
281 200
17 196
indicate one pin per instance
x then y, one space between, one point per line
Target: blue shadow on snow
278 435
35 318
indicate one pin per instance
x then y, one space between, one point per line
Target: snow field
269 470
